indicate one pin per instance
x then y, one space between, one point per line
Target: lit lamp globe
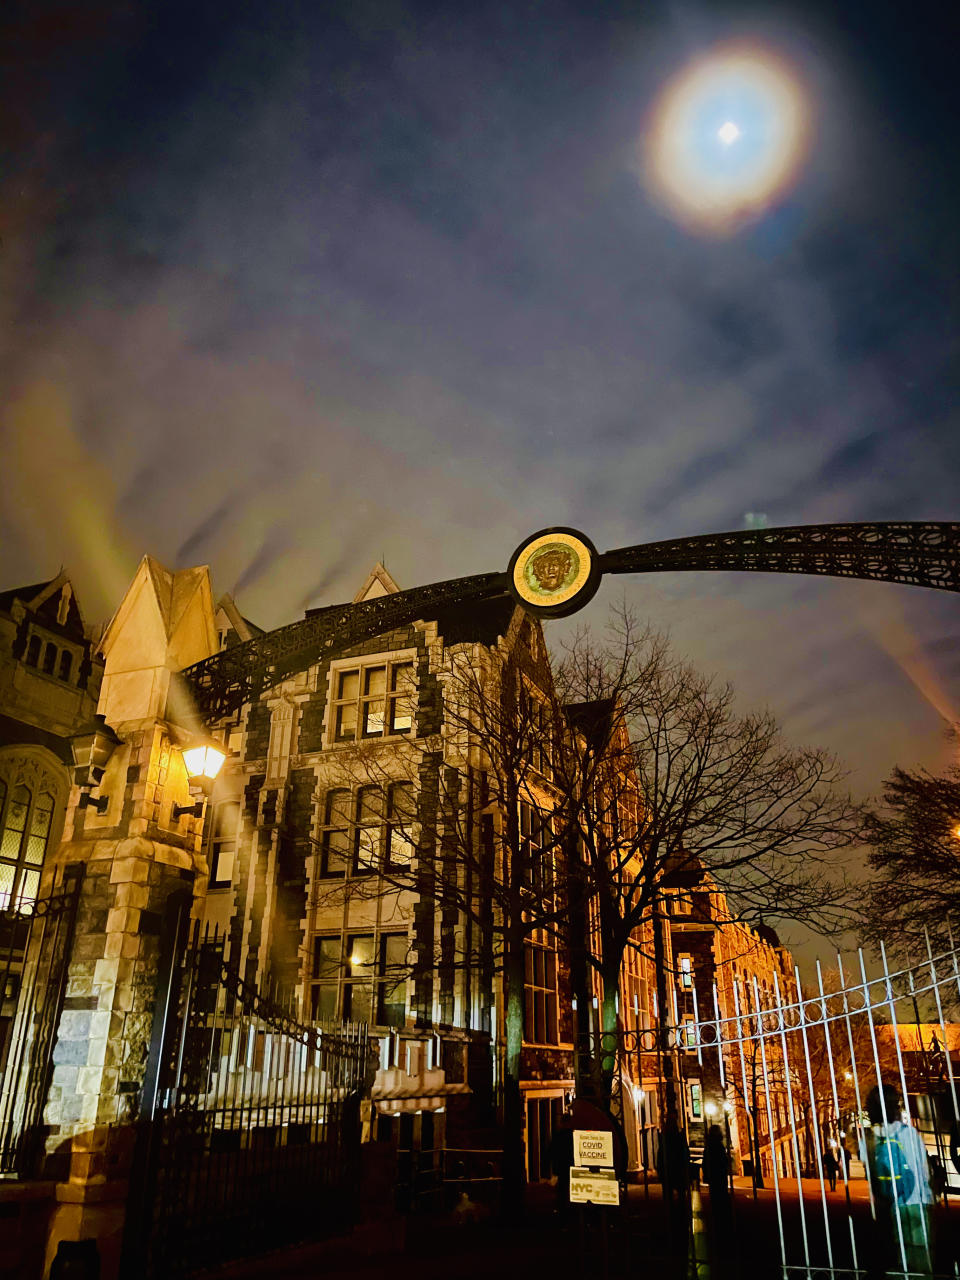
203 762
711 1109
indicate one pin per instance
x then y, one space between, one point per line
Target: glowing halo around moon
727 137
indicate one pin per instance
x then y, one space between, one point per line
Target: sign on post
594 1186
593 1147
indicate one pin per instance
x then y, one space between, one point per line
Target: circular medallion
554 572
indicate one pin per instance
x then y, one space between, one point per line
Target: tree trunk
608 1036
513 1161
664 1047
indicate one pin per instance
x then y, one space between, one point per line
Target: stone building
310 833
49 685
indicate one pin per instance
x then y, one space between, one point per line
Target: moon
726 138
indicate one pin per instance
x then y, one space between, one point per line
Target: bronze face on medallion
554 572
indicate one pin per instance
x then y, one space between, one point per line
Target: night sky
288 287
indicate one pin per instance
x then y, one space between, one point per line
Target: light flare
726 138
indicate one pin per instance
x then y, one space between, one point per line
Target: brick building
725 968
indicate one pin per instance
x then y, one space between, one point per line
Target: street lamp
203 760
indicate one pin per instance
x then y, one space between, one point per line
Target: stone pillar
134 855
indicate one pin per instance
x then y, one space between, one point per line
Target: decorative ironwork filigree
917 554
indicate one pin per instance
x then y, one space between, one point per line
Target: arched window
49 659
66 664
33 651
25 830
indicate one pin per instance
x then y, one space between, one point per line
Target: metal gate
250 1129
35 941
839 1103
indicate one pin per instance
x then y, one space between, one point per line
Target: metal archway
556 571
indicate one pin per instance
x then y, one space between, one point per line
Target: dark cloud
320 281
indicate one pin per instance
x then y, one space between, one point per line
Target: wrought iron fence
251 1127
35 941
842 1099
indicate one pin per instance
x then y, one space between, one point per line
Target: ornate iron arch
556 571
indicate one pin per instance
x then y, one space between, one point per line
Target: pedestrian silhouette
897 1165
673 1170
830 1168
716 1174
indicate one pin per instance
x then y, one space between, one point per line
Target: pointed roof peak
379 582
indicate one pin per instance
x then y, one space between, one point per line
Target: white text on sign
593 1147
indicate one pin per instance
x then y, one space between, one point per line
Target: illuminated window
540 992
400 839
335 839
223 844
689 1034
696 1102
685 972
25 822
373 702
366 844
361 977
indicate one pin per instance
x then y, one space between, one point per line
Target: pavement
639 1239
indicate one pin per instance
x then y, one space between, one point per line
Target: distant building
726 968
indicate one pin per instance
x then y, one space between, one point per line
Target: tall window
335 840
366 845
540 995
66 664
373 701
223 844
401 809
541 738
361 977
33 651
536 831
49 659
368 831
26 820
685 972
696 1102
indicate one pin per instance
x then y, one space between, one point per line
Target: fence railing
35 940
255 1129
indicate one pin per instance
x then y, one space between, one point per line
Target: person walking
898 1169
716 1173
830 1168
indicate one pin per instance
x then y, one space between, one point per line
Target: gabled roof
48 601
379 582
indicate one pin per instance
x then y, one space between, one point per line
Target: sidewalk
635 1242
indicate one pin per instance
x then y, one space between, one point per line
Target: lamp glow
203 761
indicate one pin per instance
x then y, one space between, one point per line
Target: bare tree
477 841
914 890
665 780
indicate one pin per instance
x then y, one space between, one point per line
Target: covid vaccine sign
593 1149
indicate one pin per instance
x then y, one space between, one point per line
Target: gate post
137 855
